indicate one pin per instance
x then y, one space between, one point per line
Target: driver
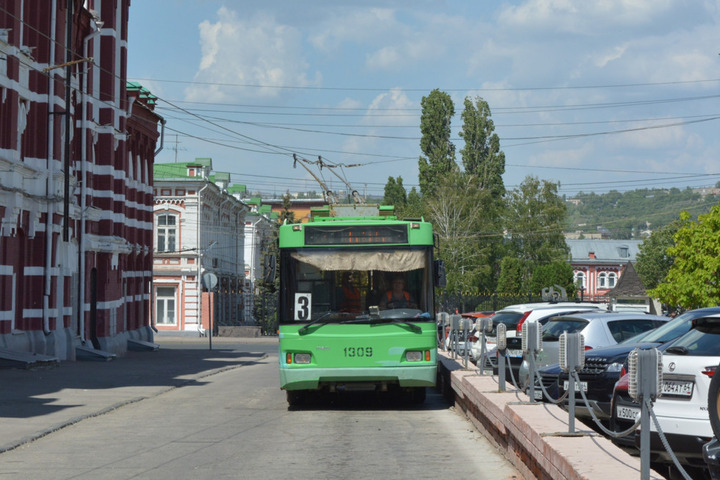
397 297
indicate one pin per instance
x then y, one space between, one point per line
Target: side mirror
440 279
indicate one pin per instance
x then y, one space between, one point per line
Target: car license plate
566 386
514 353
677 388
627 413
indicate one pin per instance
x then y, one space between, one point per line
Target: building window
166 233
612 279
580 279
165 305
602 280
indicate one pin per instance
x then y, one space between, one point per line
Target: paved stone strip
534 436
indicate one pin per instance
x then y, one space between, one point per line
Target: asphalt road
232 421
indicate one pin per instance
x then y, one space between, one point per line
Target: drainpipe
50 183
83 182
199 256
162 138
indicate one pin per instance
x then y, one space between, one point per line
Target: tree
693 280
513 276
535 219
287 215
551 274
653 261
481 155
438 151
457 220
414 207
395 193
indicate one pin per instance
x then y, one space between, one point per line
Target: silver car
597 329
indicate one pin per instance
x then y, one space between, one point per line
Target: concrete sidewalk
534 436
39 401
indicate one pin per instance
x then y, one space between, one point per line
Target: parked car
598 330
623 409
514 316
689 364
604 365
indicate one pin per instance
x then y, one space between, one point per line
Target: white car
514 316
682 410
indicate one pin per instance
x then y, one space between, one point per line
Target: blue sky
596 95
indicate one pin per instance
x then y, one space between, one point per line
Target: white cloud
248 51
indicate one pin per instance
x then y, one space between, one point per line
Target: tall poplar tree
438 157
481 155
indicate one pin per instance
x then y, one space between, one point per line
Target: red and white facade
76 155
598 264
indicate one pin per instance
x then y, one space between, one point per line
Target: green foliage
414 207
653 261
535 218
551 274
625 215
395 193
693 280
438 151
456 218
513 276
481 155
287 215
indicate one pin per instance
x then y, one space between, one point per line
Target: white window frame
163 299
166 234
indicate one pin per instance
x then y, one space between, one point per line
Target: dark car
603 365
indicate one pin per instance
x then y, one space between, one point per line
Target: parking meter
484 326
454 332
644 386
531 345
465 326
572 359
501 348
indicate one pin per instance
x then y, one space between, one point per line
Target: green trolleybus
356 303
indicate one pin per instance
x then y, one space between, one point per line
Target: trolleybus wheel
295 397
714 403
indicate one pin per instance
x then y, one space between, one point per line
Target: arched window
165 240
580 279
602 280
612 279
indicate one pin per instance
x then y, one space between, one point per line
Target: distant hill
633 214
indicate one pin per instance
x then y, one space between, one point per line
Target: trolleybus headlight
414 356
302 358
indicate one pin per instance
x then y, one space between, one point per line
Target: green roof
237 189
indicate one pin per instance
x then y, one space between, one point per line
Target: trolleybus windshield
358 285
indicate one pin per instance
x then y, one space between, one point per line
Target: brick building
76 152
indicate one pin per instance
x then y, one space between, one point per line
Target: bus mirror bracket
440 279
269 269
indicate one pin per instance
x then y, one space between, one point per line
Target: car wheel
714 403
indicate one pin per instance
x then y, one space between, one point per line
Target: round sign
209 280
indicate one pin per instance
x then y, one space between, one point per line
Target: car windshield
672 329
556 326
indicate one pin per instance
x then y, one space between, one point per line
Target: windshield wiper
678 350
317 320
413 327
